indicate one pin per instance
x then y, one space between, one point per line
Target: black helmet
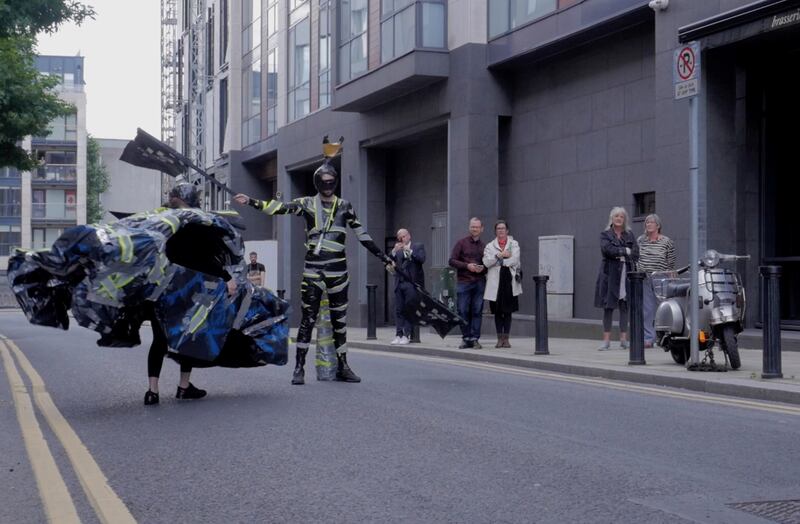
326 169
186 192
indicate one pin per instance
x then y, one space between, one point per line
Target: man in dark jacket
408 258
467 258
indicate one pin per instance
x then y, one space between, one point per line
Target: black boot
343 372
299 375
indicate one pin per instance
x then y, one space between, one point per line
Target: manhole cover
783 511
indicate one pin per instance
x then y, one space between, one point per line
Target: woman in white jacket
501 258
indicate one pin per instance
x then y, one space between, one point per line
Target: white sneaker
396 340
403 341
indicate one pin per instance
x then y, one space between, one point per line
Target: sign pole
694 139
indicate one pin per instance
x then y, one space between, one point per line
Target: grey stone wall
581 140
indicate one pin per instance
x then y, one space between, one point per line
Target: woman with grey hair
620 252
656 253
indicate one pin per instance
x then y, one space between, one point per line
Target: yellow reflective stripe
126 248
196 322
272 207
124 282
173 224
326 340
311 275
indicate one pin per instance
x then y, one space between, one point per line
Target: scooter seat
677 289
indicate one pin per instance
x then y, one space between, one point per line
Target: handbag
518 275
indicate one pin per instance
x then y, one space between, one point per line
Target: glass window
353 37
433 25
10 202
223 32
324 55
272 91
10 238
506 15
299 69
251 102
251 23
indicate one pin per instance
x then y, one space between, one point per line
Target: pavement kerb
693 383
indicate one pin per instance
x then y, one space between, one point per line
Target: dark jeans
470 307
623 317
403 294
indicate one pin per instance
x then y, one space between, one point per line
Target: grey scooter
722 306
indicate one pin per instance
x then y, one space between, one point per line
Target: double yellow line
706 398
58 505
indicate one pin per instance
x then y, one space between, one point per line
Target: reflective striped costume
325 262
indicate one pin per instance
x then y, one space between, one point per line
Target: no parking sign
686 70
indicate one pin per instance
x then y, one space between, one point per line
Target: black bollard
771 317
542 347
415 334
282 294
636 311
372 312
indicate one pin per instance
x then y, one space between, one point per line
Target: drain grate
783 511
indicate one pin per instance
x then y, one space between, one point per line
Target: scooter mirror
710 259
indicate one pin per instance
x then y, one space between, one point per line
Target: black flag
149 152
427 311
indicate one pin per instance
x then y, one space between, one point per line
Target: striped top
658 255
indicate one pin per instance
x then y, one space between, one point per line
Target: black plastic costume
325 262
171 263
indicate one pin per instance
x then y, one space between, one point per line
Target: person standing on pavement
467 259
408 258
255 270
620 252
656 253
502 260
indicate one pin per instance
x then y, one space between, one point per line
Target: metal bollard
372 312
542 347
636 312
771 317
282 294
415 334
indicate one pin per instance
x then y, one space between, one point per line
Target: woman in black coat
620 253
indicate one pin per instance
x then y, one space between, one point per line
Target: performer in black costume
327 217
182 195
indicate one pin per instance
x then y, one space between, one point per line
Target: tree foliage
27 100
96 181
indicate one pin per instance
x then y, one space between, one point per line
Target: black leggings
158 350
623 317
502 323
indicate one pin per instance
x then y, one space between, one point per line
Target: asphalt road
418 440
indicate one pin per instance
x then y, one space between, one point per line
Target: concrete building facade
131 189
37 206
544 112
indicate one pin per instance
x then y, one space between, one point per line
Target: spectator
620 252
501 257
656 253
255 270
408 258
467 259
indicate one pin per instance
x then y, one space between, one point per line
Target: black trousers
158 350
310 296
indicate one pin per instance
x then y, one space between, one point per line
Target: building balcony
53 174
10 210
564 25
57 213
400 77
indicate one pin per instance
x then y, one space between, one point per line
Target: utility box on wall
556 260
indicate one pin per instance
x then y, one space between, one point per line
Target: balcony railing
10 210
54 211
56 173
7 249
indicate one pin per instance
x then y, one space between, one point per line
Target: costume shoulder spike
331 149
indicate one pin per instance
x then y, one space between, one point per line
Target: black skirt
506 301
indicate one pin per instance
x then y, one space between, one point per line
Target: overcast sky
121 50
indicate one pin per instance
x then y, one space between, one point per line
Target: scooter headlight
710 259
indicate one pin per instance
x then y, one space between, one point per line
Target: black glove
255 203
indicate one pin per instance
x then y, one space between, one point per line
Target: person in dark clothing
620 253
180 251
408 258
327 217
502 260
467 259
255 270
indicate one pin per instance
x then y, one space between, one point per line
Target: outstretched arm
363 236
271 207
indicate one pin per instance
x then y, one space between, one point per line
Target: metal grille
439 247
783 511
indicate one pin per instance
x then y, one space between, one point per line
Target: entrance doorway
780 183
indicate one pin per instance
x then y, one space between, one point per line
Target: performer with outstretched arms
327 217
